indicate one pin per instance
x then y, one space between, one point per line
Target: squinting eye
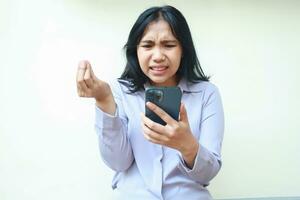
170 45
146 46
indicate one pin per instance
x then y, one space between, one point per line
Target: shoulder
119 87
208 91
202 86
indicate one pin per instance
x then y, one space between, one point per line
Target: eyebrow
163 41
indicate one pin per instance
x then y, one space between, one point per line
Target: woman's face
159 54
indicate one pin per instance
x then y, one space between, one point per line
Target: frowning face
159 54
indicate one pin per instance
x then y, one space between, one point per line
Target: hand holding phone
167 98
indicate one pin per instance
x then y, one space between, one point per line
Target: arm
200 160
111 123
114 145
207 162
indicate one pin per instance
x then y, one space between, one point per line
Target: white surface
48 148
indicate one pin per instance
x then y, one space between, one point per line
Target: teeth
158 68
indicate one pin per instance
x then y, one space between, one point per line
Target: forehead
158 30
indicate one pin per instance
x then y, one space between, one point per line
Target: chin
157 81
162 83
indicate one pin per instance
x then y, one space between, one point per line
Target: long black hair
189 66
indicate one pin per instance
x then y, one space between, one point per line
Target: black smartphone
167 98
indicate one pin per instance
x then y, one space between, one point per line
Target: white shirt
149 171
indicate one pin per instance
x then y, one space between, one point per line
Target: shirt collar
184 85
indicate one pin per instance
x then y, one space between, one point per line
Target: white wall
48 147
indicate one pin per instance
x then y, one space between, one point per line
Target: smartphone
167 98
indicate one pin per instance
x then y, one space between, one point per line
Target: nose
158 55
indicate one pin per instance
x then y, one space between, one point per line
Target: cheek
176 59
138 53
142 62
142 58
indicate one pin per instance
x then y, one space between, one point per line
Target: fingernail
149 104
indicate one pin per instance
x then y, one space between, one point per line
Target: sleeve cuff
202 160
105 121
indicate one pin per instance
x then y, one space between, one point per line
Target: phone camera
158 95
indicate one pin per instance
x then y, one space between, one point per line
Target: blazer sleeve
114 144
208 159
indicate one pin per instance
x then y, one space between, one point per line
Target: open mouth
159 68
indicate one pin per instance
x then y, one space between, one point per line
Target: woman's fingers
153 136
161 113
183 114
152 125
92 72
82 88
88 85
88 77
80 71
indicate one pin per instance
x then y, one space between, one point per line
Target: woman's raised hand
88 85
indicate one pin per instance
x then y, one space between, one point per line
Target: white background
48 147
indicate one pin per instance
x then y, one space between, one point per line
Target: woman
153 161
